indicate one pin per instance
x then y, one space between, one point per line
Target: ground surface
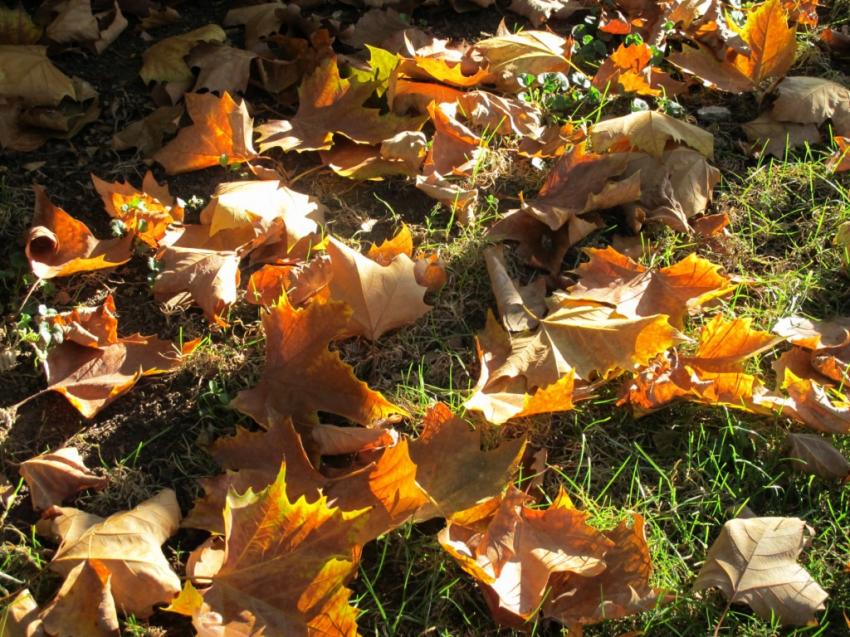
686 468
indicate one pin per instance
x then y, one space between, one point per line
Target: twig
29 294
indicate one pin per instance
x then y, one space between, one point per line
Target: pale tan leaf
55 476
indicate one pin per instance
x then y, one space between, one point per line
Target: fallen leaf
84 606
147 133
127 544
59 245
17 27
328 105
210 278
54 477
164 61
300 283
813 100
222 68
76 22
677 290
649 131
829 342
512 55
381 297
519 307
816 456
27 73
301 376
753 561
20 617
540 11
220 133
777 138
291 581
89 326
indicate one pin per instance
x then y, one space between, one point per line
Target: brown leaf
753 562
147 133
291 581
816 456
829 342
223 68
164 61
75 22
300 283
633 290
452 468
89 326
27 73
210 278
54 477
519 307
220 131
17 27
515 553
539 11
329 104
511 55
381 297
84 606
776 138
301 376
649 131
20 617
813 100
59 245
127 544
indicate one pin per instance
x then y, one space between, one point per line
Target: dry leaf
220 133
815 455
519 307
54 477
301 376
633 290
84 606
512 55
381 297
59 245
649 131
813 100
776 138
164 61
147 133
89 326
17 27
753 562
27 73
223 68
128 546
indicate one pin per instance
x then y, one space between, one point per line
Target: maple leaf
147 133
284 568
511 299
27 73
329 104
164 61
649 131
301 376
220 130
89 326
147 212
300 283
59 245
381 297
633 290
816 456
55 476
770 52
210 278
222 68
753 562
127 544
84 605
628 69
76 22
514 554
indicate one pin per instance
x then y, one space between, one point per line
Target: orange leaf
59 245
302 376
220 131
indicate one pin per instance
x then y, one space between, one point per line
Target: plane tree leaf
649 131
164 60
815 455
754 561
55 476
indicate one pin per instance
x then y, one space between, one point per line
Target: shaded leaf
54 477
815 455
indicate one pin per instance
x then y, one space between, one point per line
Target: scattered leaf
53 477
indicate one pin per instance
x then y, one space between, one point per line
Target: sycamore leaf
59 245
515 553
813 100
776 138
512 55
580 182
163 62
76 22
753 562
381 297
287 582
300 283
620 590
649 131
518 306
83 606
771 48
89 326
147 212
147 133
220 131
815 455
329 104
55 476
17 27
222 68
27 73
301 376
633 290
210 278
128 546
453 470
